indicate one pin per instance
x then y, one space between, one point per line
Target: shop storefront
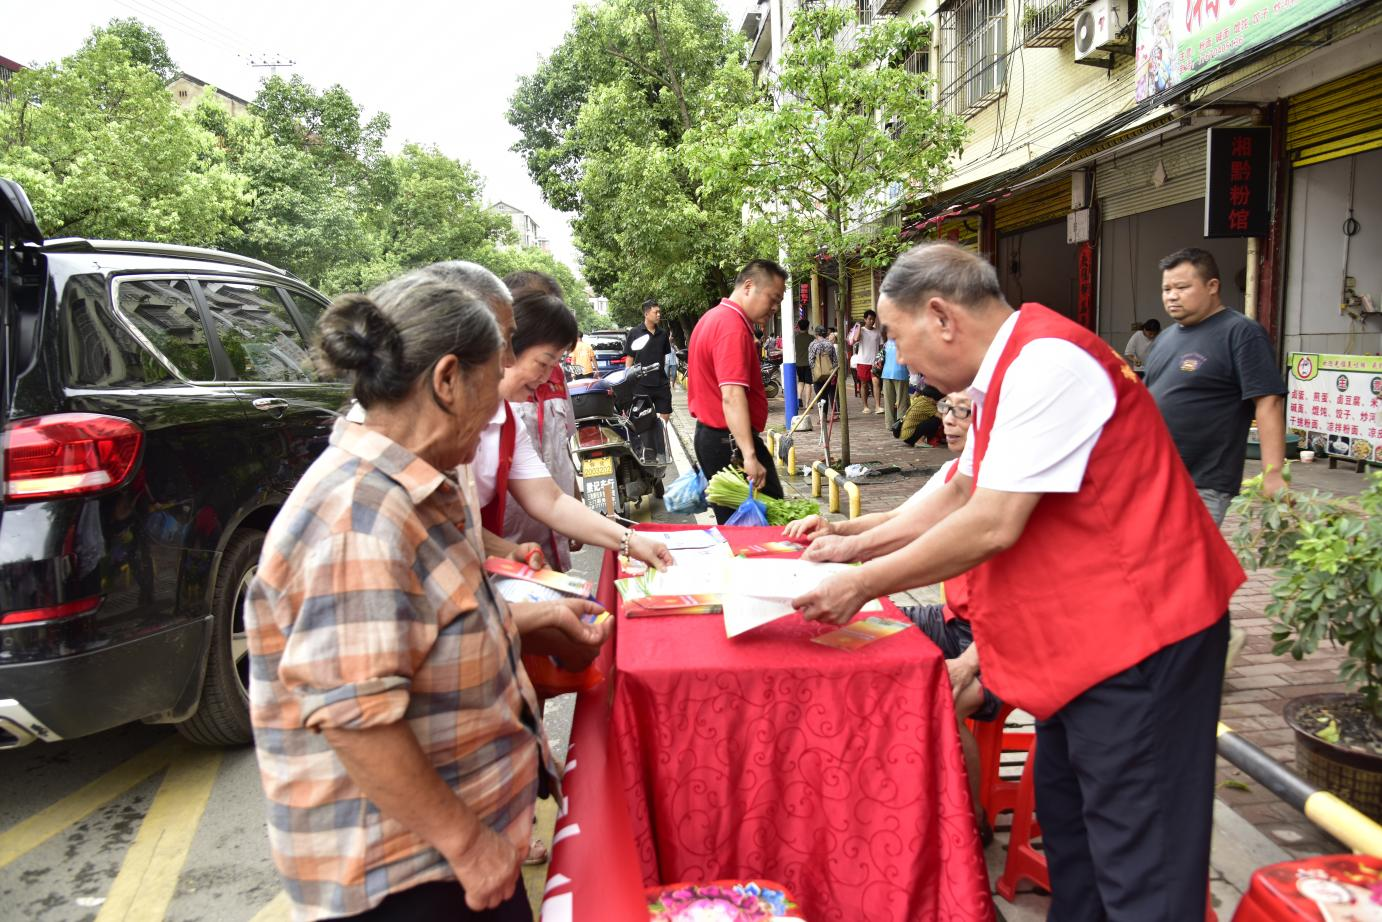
1151 203
1333 278
1034 261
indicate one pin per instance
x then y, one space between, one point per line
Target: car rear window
607 345
163 310
98 352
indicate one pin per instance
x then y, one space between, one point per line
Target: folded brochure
861 633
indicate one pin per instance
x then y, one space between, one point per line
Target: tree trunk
842 313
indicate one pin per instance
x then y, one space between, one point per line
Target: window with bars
974 40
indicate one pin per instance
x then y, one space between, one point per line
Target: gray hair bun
357 340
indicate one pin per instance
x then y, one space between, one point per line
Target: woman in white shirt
544 330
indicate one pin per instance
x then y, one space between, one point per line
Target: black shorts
661 395
953 637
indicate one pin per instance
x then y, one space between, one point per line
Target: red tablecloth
838 773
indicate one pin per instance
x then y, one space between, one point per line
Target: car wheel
222 717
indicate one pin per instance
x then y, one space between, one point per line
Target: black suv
159 407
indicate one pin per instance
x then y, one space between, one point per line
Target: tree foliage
844 134
144 45
102 150
604 124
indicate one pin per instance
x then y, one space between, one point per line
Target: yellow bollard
815 479
834 490
855 500
792 461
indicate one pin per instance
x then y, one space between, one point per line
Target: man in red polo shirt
1098 593
724 383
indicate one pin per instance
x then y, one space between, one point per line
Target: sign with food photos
1335 404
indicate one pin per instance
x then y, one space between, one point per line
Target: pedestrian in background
894 383
1140 344
725 380
801 344
1210 373
866 349
821 355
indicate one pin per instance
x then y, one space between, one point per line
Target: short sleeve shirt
1139 345
649 349
527 464
370 607
1204 379
1056 399
722 351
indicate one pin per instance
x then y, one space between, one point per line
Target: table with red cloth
836 772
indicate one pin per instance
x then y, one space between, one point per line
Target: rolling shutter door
1030 207
1127 185
1340 118
860 291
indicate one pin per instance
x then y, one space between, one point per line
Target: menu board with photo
1335 404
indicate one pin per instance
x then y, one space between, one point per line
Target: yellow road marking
29 834
144 887
280 909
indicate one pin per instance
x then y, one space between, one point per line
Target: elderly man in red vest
1099 586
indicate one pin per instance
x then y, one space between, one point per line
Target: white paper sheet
779 578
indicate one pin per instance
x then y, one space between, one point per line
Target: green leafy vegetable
730 489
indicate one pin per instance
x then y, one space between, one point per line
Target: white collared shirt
1056 399
527 464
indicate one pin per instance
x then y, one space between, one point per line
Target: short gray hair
472 276
941 269
387 340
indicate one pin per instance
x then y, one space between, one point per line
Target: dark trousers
715 452
445 902
1125 788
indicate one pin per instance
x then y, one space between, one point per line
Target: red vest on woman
1103 578
956 588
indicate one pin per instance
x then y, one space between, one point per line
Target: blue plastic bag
686 494
750 512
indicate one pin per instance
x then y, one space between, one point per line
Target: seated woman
921 423
944 624
397 737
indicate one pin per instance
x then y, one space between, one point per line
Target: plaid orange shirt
371 606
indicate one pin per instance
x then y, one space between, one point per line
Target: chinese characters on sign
1178 39
1335 403
1237 199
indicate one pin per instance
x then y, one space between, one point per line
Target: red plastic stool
997 794
1294 891
1025 861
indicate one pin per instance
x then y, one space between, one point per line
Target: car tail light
68 454
51 612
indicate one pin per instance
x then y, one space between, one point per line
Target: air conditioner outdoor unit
1097 26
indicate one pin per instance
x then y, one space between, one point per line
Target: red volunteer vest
492 516
1103 578
957 587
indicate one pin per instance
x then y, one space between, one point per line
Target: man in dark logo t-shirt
1211 373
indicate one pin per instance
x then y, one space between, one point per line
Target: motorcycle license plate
597 467
599 493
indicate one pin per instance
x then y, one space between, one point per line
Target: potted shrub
1327 552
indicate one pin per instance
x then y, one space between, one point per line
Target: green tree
102 150
604 122
845 135
501 260
436 212
145 45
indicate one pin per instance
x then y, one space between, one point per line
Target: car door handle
274 405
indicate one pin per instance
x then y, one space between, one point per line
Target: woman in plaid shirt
396 733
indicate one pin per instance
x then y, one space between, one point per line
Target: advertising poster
1335 404
1177 39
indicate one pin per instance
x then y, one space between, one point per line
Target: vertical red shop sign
1237 201
1084 302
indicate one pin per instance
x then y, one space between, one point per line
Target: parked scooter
772 379
620 443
